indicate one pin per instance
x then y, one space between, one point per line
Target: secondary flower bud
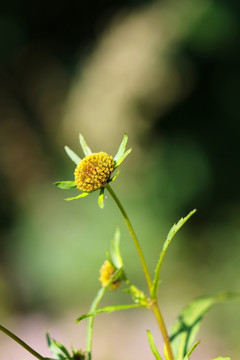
94 171
106 273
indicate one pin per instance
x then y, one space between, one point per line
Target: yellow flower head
106 273
94 171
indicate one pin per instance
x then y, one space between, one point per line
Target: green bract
95 176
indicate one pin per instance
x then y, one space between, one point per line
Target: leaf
152 346
85 147
122 158
57 349
121 154
121 148
166 244
115 176
115 254
222 358
166 352
65 184
73 156
192 350
108 309
78 197
138 296
185 329
101 198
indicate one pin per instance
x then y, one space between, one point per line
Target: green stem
154 305
93 308
133 235
156 310
21 342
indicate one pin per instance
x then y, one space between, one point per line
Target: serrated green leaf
85 147
65 184
101 198
73 156
184 331
78 197
152 346
120 160
121 148
57 349
166 244
115 254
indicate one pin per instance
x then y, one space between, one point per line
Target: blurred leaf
166 352
123 157
138 296
222 358
184 331
101 198
58 350
191 350
78 197
116 175
115 254
152 346
108 309
85 147
73 156
121 148
166 244
120 156
65 184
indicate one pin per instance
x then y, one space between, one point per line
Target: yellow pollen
94 171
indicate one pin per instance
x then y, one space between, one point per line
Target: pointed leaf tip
72 155
86 149
121 148
153 346
78 197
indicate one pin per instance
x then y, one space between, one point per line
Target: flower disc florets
94 171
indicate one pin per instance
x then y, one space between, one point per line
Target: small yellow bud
106 273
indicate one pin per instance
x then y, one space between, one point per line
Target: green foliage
184 331
166 244
65 184
191 350
101 199
115 254
152 346
121 154
82 195
86 149
58 350
72 155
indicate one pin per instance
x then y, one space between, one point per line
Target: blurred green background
168 74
